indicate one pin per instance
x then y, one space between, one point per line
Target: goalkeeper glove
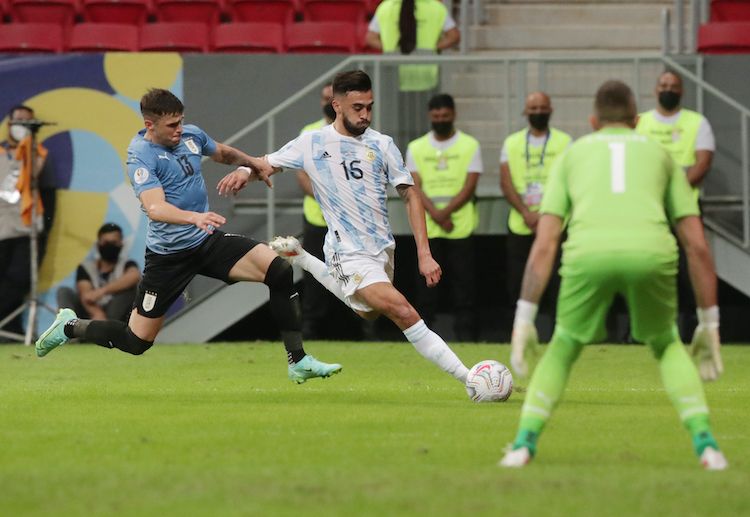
524 340
706 344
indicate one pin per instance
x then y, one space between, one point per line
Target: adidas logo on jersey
324 155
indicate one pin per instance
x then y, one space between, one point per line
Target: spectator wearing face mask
526 159
16 200
687 136
106 285
446 164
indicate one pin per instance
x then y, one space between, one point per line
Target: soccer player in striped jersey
351 166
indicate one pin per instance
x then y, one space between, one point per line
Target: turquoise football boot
309 368
54 336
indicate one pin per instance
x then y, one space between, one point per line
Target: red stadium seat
372 5
275 11
208 11
100 37
724 38
262 37
730 11
31 38
322 38
174 37
60 12
132 12
334 11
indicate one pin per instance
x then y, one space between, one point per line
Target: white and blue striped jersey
350 176
177 170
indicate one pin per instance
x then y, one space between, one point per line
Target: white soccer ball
489 381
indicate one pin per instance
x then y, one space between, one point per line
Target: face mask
669 100
444 128
109 252
18 132
329 112
539 121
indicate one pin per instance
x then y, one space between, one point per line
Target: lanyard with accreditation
534 189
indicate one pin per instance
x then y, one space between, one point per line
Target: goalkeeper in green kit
621 192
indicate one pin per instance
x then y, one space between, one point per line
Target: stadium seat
174 37
275 11
334 11
60 12
261 37
132 12
101 37
322 38
208 11
724 38
31 38
372 5
730 11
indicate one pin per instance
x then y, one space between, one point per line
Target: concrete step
574 37
544 15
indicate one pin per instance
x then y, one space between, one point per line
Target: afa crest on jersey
192 146
370 155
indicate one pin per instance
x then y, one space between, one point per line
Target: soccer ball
489 381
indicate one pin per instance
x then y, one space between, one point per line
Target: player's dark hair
407 27
158 102
351 81
19 107
108 228
615 102
441 100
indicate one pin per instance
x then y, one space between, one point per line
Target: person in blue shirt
164 166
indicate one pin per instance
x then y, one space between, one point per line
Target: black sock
286 307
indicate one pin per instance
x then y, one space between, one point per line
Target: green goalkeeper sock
700 431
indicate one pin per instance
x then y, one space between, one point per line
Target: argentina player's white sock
433 348
318 269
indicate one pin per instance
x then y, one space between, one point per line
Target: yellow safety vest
678 138
430 15
529 168
443 175
310 207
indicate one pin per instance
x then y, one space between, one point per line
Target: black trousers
456 258
15 278
323 315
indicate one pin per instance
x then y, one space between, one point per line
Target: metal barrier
509 80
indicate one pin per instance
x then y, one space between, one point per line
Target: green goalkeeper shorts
589 283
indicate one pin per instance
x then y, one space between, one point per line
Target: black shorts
165 277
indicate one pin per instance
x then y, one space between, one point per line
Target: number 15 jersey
350 176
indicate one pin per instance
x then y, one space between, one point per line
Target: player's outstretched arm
158 209
706 344
428 267
538 270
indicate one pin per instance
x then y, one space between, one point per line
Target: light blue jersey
350 176
177 170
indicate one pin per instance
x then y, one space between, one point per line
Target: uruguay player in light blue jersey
164 166
351 166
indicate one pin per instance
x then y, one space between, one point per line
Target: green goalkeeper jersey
620 190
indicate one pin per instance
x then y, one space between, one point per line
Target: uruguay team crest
149 300
192 146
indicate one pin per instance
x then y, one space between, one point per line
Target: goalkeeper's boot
309 368
54 336
713 459
516 458
288 248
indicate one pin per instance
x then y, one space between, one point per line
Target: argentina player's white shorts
357 271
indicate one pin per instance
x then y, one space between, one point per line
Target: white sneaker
288 248
516 458
711 459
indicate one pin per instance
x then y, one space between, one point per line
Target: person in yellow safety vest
689 139
323 316
685 134
413 27
446 164
526 160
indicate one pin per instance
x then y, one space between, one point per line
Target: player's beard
354 129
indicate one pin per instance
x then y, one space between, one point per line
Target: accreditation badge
533 194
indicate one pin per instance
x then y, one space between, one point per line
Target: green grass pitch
219 430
